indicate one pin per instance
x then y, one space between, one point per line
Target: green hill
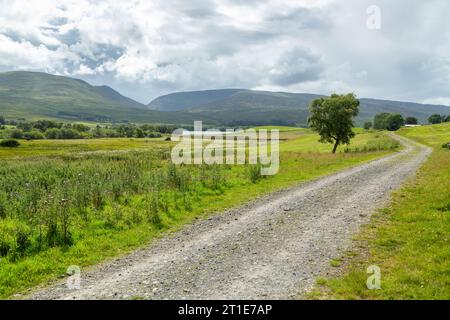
34 95
249 107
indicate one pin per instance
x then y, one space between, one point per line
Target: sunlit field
409 240
79 202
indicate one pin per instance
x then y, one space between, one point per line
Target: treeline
394 121
437 118
48 129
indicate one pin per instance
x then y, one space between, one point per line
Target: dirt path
271 248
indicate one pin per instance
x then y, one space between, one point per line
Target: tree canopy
435 119
367 125
388 121
333 117
411 120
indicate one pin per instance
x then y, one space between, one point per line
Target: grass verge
410 239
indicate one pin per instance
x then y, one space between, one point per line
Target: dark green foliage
56 130
388 121
63 133
394 122
16 134
333 118
9 143
33 135
2 120
380 121
411 120
368 125
436 118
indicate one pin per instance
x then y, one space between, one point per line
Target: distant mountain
185 100
35 95
250 107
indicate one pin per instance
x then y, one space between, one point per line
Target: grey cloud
300 19
186 45
295 66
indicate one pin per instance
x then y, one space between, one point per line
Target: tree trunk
335 146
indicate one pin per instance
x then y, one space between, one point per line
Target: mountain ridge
247 106
38 95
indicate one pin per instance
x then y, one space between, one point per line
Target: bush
446 145
154 135
435 119
16 134
388 121
254 173
395 122
9 143
54 133
368 125
411 120
33 135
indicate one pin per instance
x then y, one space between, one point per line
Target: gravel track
271 248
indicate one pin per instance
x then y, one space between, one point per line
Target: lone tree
368 125
333 117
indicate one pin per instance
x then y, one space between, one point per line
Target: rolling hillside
33 95
248 107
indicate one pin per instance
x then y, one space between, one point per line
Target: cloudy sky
147 48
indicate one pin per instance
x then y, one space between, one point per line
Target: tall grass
43 202
377 143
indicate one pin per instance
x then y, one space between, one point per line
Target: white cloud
439 101
147 48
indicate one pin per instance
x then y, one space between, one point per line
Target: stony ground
271 248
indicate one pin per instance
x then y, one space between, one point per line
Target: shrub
394 122
64 133
446 145
254 173
9 143
33 135
154 135
52 133
16 134
388 121
435 119
368 125
411 120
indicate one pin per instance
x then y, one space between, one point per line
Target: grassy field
54 148
80 202
410 240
